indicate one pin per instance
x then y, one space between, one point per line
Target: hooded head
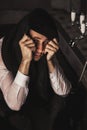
42 22
38 20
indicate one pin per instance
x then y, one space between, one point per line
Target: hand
51 48
27 46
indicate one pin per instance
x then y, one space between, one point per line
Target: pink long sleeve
59 82
15 90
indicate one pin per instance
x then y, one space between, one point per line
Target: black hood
40 21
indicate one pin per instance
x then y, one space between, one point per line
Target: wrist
51 66
24 66
25 60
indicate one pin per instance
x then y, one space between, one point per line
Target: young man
29 63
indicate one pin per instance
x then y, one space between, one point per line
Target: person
29 66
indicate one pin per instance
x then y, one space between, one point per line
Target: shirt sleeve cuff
54 78
53 75
21 79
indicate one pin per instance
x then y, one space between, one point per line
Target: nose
39 48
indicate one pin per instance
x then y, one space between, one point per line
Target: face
40 42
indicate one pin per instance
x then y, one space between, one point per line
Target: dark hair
42 22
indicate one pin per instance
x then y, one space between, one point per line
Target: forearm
51 66
15 90
24 67
15 97
59 82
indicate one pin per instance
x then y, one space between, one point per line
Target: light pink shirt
16 90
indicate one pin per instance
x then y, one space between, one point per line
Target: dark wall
23 4
11 11
76 5
61 4
29 4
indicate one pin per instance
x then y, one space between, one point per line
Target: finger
25 38
49 51
53 44
55 40
29 45
50 47
32 49
28 42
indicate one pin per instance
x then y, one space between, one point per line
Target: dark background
23 4
12 10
